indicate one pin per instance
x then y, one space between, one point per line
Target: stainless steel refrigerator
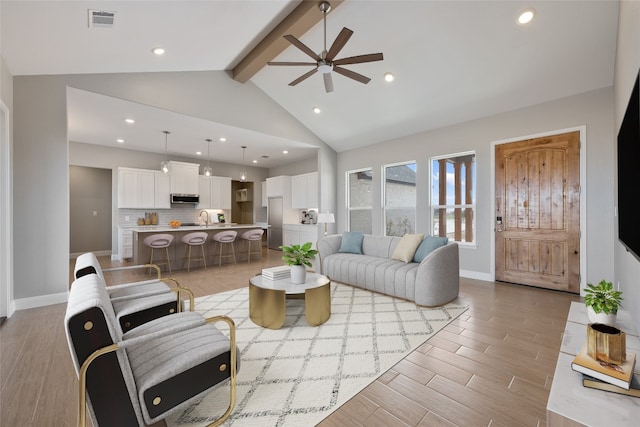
275 218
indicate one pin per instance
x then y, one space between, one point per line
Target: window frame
472 206
383 192
348 197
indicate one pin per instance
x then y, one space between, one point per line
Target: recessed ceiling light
526 16
285 152
199 153
389 77
255 161
223 139
158 51
120 141
130 121
317 110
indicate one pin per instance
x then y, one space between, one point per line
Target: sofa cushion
351 242
429 244
407 247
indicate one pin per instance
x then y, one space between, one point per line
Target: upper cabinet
215 192
143 189
279 186
304 191
184 177
162 190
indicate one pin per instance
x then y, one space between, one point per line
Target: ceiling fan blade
292 63
303 47
303 77
371 57
339 43
328 82
352 74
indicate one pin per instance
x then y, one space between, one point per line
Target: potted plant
298 257
602 302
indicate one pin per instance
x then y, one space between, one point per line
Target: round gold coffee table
267 300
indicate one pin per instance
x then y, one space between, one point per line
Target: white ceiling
454 61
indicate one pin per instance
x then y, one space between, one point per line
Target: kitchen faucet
206 222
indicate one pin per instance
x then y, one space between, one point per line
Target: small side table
571 404
267 300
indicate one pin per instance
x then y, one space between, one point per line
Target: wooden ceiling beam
298 22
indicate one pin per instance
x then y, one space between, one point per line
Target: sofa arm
326 246
438 277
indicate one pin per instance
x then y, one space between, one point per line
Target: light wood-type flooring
493 366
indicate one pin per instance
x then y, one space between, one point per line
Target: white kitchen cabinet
279 186
143 189
215 192
304 191
298 234
220 192
184 177
136 188
162 198
125 243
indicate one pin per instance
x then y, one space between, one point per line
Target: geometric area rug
299 374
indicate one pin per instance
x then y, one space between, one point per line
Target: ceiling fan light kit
325 62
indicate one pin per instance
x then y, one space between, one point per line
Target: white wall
627 268
6 213
41 154
593 109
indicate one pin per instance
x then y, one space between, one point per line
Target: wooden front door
537 218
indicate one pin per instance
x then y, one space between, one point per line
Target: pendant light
243 177
207 170
164 166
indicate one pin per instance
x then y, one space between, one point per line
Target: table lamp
326 218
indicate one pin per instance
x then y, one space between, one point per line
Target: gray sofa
432 282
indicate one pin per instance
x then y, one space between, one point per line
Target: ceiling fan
325 62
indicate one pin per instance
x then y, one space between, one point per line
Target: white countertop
167 228
590 407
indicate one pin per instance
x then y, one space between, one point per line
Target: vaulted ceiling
453 61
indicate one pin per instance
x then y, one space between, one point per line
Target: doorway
6 216
537 212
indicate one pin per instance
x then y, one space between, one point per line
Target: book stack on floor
607 376
276 273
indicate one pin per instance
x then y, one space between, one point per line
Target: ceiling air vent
101 19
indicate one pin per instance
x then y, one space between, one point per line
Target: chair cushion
136 290
160 361
429 244
407 247
351 242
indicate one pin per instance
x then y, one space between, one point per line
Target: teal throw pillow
429 244
352 242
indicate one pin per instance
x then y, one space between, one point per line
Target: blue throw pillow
352 242
428 244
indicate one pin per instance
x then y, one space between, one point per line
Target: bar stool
197 238
224 238
159 241
249 237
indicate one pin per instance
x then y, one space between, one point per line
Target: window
453 195
399 198
359 201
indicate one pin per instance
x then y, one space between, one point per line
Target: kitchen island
178 250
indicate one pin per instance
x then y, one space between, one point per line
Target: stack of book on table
607 376
276 273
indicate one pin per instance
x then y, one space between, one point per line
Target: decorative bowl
174 223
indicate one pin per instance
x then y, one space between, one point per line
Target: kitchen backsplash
182 214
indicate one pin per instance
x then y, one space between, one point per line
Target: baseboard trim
74 255
40 301
475 275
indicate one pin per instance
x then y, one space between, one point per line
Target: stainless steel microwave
185 198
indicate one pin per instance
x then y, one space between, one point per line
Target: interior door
537 218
